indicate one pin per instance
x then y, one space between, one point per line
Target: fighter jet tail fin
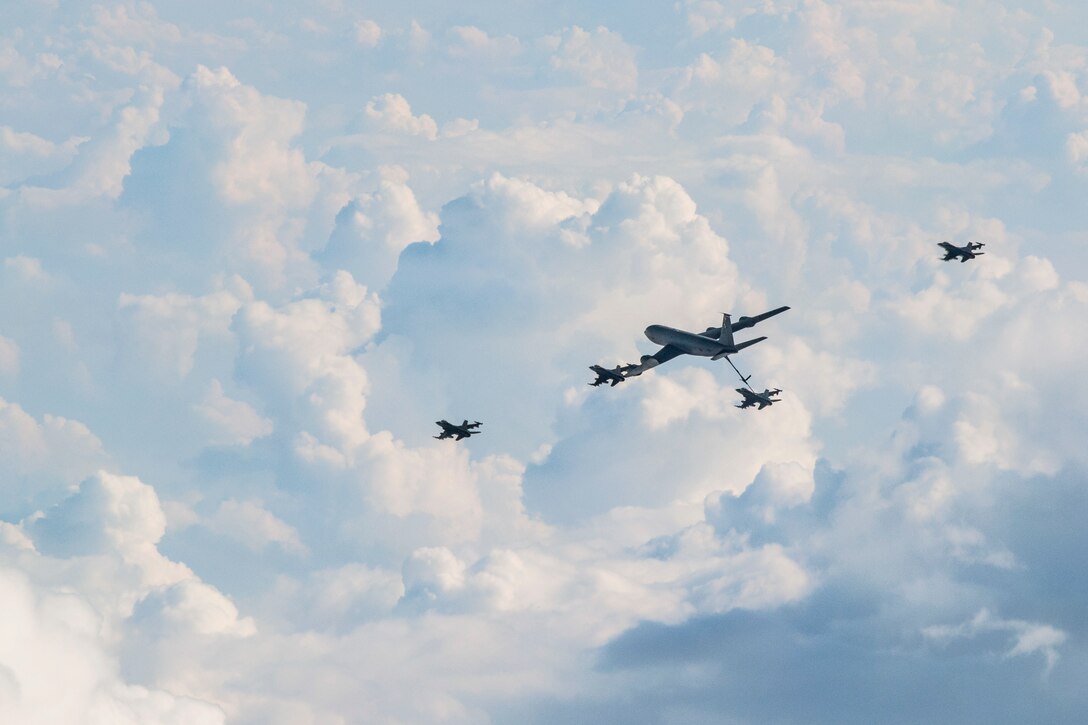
726 335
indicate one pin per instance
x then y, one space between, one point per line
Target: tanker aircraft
714 343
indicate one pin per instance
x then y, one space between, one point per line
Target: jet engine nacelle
646 362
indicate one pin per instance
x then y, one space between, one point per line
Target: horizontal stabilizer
749 343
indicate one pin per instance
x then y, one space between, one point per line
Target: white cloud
136 23
259 166
419 38
103 163
51 642
391 113
368 33
599 58
164 331
705 16
753 580
110 514
26 270
339 598
238 423
472 42
26 154
255 526
226 271
93 564
257 203
299 358
190 606
1029 637
49 455
9 357
373 229
1076 149
432 572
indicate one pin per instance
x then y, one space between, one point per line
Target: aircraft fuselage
689 342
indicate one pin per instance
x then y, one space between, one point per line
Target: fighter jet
613 376
951 251
763 399
449 430
714 343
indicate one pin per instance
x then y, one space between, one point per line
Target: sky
251 252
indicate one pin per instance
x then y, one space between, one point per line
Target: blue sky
251 252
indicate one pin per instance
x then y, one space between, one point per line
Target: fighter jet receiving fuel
951 251
763 399
449 430
613 376
714 343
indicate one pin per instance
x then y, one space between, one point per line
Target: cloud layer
250 257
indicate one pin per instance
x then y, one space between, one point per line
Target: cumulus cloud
368 33
300 360
62 631
238 423
254 526
1076 149
109 514
259 279
9 357
599 58
103 163
339 598
72 588
468 41
165 330
26 270
391 113
26 154
45 456
707 15
252 200
259 164
373 229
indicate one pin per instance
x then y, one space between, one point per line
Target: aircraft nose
653 332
